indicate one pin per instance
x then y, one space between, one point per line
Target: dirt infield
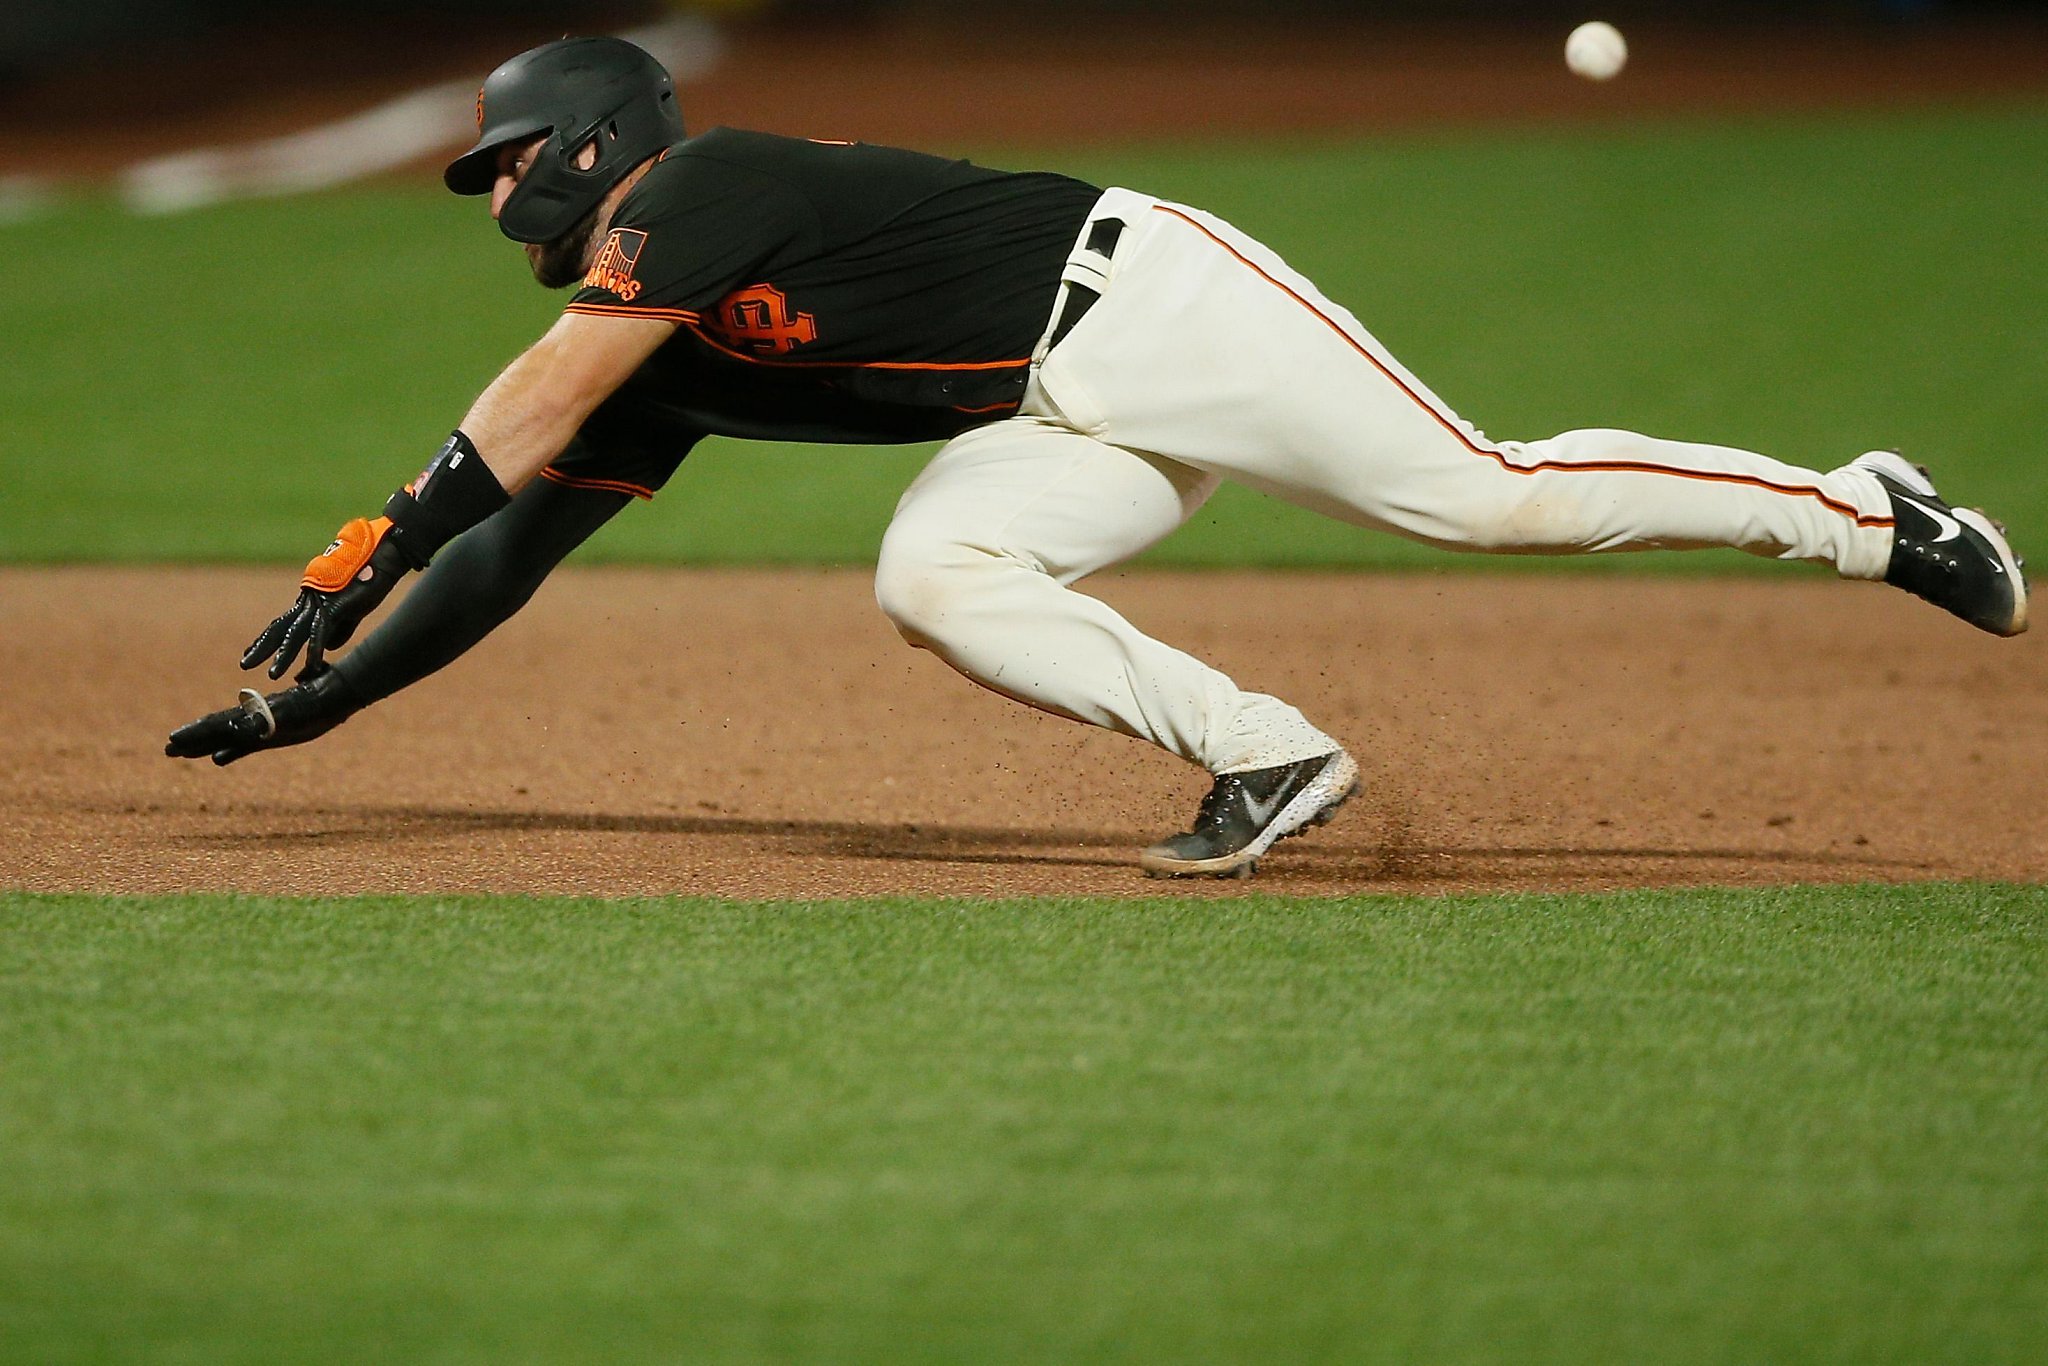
765 734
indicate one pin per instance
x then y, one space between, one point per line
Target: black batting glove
292 717
343 584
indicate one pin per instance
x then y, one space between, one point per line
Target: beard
564 260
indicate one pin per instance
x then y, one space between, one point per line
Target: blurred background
33 32
1808 227
99 84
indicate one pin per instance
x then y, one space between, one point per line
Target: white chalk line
379 139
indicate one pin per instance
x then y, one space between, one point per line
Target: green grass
1784 1126
232 384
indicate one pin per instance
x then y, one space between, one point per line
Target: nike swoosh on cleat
1949 527
1263 811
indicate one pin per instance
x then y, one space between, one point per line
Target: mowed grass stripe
1792 1125
232 384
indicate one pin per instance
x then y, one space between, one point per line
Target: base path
765 734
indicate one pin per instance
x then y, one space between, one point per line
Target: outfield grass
231 384
1784 1126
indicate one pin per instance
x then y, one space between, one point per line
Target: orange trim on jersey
1593 466
696 325
685 318
667 315
577 481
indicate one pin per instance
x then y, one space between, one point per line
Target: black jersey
822 292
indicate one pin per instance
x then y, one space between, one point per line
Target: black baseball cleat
1956 558
1245 814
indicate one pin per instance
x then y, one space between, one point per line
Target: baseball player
1096 362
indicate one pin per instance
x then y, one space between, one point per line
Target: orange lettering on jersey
613 269
759 319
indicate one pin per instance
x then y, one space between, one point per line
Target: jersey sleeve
627 446
691 232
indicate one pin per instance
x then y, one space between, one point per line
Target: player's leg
1210 348
975 567
1584 491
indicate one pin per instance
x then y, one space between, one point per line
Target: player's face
513 159
564 260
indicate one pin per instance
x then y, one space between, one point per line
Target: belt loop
1083 280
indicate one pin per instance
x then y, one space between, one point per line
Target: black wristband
331 692
453 493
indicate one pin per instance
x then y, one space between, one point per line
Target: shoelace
1212 808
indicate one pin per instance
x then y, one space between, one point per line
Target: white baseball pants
1207 358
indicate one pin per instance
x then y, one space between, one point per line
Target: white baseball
1596 51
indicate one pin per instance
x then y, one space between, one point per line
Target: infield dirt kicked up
765 734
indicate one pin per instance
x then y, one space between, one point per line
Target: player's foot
1245 814
1956 558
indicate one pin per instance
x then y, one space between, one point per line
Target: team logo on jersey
613 269
759 319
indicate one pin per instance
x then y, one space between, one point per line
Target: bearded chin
564 260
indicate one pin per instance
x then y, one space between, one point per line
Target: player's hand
343 584
292 717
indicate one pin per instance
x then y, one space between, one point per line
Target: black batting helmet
578 90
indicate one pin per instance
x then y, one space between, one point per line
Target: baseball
1596 51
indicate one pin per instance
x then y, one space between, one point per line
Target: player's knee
1509 513
1489 527
924 586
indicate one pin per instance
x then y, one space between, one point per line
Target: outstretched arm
525 419
473 587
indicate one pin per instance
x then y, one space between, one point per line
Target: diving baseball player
1096 361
